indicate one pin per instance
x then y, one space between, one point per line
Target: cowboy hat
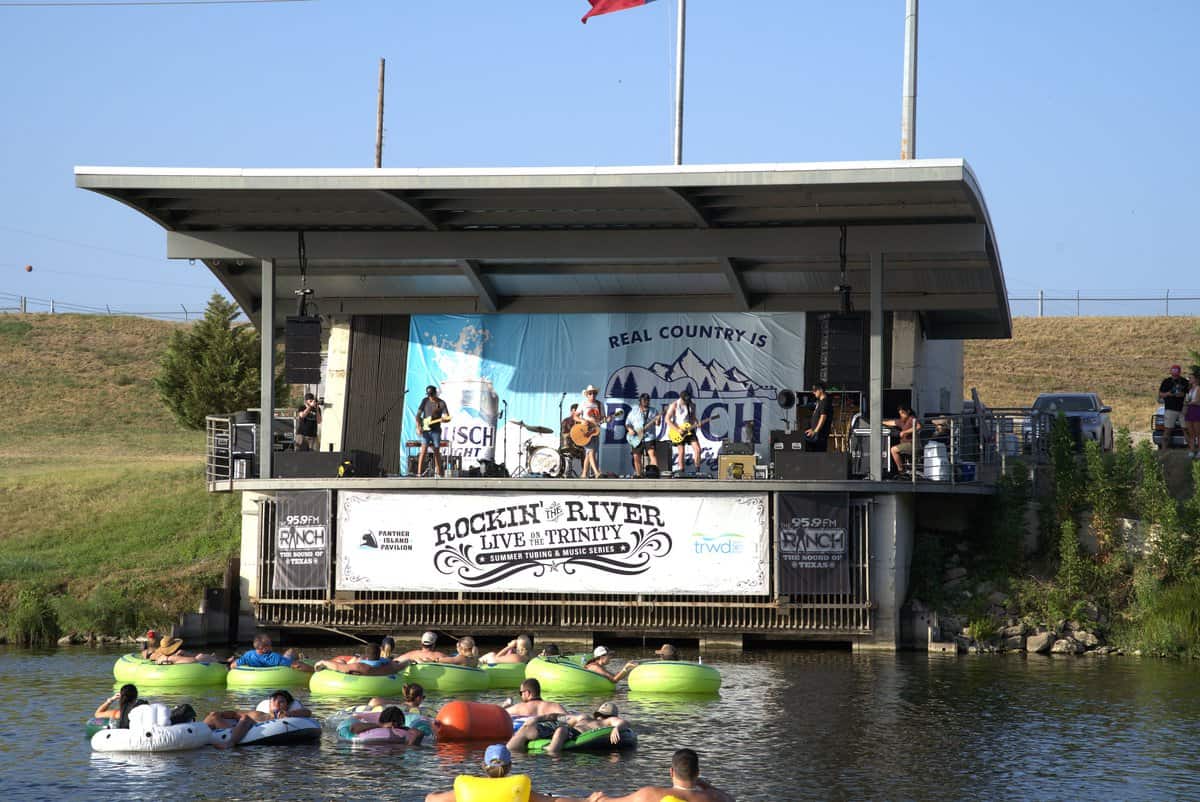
169 646
591 388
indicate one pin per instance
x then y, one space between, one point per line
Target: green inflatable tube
447 677
335 683
562 676
274 677
504 675
127 666
181 674
670 676
593 740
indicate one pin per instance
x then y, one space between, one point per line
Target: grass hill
1121 358
102 494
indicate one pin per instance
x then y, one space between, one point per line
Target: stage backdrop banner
302 533
502 374
553 542
813 542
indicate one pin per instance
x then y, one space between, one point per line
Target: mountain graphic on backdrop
688 372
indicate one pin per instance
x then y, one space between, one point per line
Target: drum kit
542 460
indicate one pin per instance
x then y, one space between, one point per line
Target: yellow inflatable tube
492 789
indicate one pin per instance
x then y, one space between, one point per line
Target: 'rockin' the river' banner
535 367
553 542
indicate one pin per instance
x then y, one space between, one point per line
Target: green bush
105 611
33 621
1167 620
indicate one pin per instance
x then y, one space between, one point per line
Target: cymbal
520 423
539 429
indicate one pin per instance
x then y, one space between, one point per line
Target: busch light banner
302 535
814 537
553 543
509 380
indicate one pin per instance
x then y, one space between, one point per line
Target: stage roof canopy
713 238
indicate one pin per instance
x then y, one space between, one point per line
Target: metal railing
218 452
843 615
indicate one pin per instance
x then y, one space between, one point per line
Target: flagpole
679 36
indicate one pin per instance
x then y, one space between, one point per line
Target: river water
787 726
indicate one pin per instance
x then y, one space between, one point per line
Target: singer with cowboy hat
589 413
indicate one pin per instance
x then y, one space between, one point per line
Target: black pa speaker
302 350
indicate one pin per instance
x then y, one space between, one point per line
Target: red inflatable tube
473 721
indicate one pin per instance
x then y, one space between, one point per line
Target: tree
211 367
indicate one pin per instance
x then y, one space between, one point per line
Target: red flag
609 6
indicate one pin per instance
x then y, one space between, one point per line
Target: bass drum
546 461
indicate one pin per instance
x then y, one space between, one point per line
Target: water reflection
786 726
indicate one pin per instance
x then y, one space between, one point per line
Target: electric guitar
678 434
635 438
427 423
586 431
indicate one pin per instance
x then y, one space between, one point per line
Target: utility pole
379 116
908 116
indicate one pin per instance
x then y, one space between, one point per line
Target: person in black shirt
308 418
432 412
817 436
1172 392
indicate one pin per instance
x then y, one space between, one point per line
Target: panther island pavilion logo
562 535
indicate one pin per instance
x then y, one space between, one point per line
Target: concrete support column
906 354
890 553
266 367
875 381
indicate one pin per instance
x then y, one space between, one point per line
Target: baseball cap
497 755
600 651
151 633
429 638
607 709
1175 368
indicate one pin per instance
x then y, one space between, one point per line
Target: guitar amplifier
735 450
739 466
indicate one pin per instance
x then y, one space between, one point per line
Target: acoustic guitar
635 438
586 431
678 434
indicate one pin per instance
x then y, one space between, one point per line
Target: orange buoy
473 721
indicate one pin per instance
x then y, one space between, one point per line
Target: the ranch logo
812 542
486 547
301 532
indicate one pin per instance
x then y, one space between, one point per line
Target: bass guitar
635 438
586 431
678 434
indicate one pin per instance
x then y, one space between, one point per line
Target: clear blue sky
1079 119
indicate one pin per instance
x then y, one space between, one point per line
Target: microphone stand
504 432
383 431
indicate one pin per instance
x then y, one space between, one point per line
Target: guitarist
430 412
681 415
641 425
589 413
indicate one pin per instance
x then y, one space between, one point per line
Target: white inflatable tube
174 738
276 732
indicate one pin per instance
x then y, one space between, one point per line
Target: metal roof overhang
713 238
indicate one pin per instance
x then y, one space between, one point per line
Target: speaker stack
302 350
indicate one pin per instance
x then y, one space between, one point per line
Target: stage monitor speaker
302 350
809 465
308 464
731 449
